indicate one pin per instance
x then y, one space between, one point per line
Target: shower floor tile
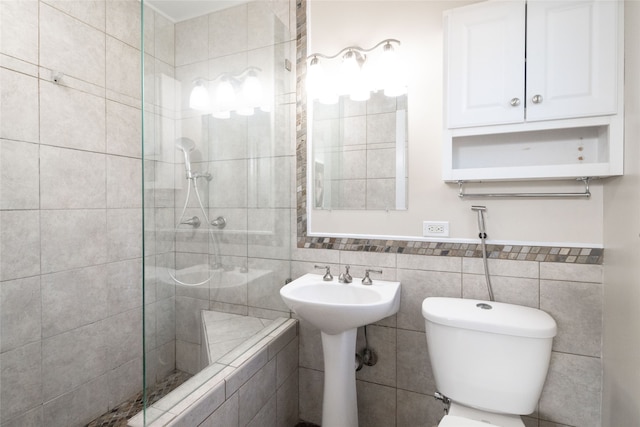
119 415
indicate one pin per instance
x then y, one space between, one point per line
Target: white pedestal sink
338 309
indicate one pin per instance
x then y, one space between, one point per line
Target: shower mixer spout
193 221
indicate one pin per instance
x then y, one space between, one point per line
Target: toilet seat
454 421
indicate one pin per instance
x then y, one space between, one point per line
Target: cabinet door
485 64
571 58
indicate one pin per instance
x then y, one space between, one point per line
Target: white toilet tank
488 355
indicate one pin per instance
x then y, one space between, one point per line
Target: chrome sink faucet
345 277
366 280
327 275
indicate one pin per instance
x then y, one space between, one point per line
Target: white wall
621 351
334 25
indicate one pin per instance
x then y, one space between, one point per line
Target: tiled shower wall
70 204
398 390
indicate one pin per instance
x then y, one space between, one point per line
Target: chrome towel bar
585 194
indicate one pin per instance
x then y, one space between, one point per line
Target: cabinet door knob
537 99
515 102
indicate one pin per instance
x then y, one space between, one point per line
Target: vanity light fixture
357 75
242 93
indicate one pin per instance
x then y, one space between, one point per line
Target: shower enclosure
103 237
219 173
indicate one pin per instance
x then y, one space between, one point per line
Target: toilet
489 359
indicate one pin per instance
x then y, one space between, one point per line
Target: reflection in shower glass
219 168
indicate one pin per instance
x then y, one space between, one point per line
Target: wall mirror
358 153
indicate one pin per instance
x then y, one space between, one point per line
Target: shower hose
194 179
482 234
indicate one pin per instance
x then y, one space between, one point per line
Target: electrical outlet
435 228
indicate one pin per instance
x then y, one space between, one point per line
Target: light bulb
199 97
252 90
315 79
225 96
391 77
361 88
349 72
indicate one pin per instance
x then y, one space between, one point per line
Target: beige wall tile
123 134
123 21
382 342
376 404
123 182
70 118
19 107
418 285
74 298
191 40
123 68
19 29
311 386
79 406
19 172
577 309
414 366
20 313
20 373
71 179
502 267
72 239
73 358
71 46
91 12
571 272
123 286
225 415
512 290
20 244
287 402
228 31
572 393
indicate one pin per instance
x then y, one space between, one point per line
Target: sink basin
336 307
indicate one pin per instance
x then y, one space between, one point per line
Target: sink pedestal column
339 405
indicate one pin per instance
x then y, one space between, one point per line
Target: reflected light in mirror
357 75
199 97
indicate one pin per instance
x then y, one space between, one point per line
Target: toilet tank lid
489 316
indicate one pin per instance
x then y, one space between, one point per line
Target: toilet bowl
489 359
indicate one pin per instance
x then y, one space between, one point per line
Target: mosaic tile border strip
512 252
469 250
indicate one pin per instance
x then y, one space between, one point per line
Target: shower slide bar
586 193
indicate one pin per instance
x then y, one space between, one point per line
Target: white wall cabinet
534 88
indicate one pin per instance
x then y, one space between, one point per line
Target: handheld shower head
481 227
187 146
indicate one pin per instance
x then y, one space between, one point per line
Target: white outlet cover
435 228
